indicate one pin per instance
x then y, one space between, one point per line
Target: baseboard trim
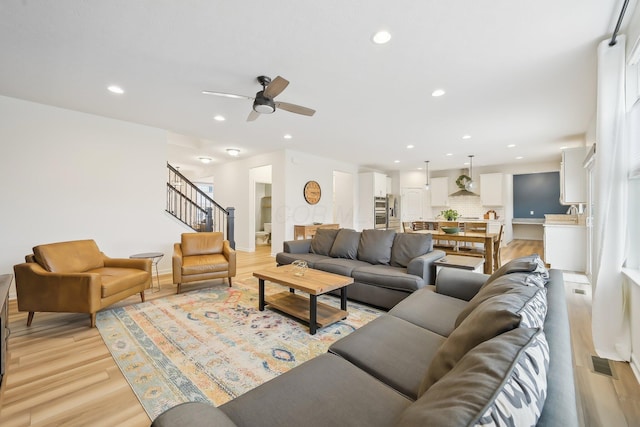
635 367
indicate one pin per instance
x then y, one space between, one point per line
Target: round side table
155 259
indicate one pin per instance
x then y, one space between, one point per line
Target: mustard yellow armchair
202 256
75 277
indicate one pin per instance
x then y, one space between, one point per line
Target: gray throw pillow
323 240
407 246
502 381
346 244
531 263
491 318
375 246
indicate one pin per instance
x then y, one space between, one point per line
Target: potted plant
450 214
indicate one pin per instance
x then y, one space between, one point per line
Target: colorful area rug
212 345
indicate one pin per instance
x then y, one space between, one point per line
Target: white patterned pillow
501 382
535 310
522 397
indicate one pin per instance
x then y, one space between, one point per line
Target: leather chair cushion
201 243
116 280
69 257
204 264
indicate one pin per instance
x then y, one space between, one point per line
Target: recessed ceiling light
205 160
287 136
410 146
564 147
381 37
519 158
219 118
511 145
466 136
449 154
396 161
438 92
115 89
233 152
466 163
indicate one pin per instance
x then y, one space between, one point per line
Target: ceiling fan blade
293 108
226 95
252 116
276 87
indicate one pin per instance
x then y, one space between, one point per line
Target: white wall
69 175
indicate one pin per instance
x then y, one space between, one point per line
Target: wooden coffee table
314 283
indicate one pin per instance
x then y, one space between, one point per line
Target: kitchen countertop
532 221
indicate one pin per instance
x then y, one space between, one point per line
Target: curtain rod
620 18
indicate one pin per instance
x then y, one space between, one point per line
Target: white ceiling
515 72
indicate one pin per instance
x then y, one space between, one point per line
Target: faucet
573 210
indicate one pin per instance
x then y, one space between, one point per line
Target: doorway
260 206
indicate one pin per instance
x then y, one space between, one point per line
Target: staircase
191 206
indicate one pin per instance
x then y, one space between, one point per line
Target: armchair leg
229 281
30 318
178 288
93 319
142 296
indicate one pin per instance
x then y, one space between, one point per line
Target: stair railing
193 207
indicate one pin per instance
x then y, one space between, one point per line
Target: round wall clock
312 192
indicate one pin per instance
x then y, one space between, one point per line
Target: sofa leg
229 281
30 318
142 296
93 319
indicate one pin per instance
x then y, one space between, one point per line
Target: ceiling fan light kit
263 102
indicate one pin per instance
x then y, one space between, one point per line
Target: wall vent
579 291
602 366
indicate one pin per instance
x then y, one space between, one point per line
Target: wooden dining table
487 239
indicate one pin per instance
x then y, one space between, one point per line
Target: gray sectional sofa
471 350
386 266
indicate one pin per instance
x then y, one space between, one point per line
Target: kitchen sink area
565 241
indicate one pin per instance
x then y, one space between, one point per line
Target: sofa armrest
461 284
193 414
140 263
230 254
297 246
40 290
423 266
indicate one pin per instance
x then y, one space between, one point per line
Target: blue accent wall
537 192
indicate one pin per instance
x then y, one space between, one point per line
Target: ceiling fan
263 102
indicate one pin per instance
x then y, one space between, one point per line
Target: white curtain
610 317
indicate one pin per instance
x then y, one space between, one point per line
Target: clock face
312 192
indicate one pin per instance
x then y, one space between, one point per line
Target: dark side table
155 258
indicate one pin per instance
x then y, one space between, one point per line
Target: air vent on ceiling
579 291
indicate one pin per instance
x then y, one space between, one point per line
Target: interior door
411 204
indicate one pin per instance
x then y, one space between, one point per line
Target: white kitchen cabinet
573 176
565 246
439 188
492 189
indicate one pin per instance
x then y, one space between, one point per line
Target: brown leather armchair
202 256
76 277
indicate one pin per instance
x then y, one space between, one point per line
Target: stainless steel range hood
463 192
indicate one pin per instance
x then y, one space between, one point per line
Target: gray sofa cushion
500 382
430 310
490 318
324 391
346 244
341 266
388 277
193 414
284 258
323 240
396 352
375 246
407 246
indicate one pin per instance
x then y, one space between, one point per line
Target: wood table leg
488 255
313 314
261 294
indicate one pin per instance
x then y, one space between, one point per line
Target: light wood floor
61 373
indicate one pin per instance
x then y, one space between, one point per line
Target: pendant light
470 184
426 175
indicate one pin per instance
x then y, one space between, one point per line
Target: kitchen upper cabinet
573 176
439 188
492 189
374 184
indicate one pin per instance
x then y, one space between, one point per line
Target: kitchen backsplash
470 207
